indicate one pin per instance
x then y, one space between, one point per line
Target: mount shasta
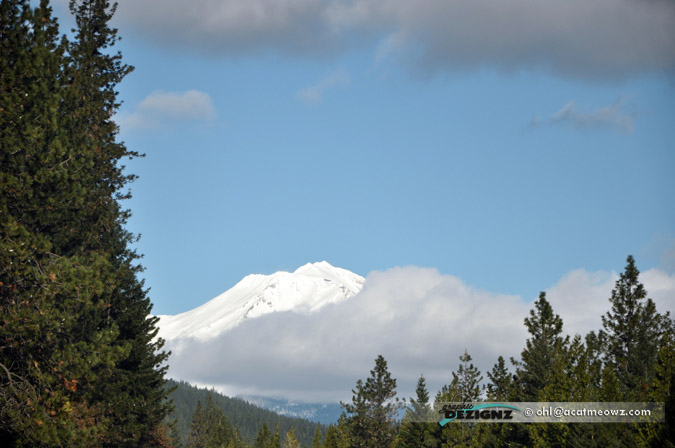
304 291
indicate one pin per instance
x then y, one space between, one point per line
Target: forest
630 359
79 362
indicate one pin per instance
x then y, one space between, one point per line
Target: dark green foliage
316 441
374 408
209 427
464 387
264 438
245 419
419 423
545 345
633 329
500 387
79 367
465 384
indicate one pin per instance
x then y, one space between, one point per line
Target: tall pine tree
374 408
76 345
633 329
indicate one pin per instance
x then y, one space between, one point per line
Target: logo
467 411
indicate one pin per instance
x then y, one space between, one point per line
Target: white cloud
419 320
162 107
576 38
314 93
606 117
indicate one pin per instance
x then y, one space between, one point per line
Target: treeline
630 359
241 420
78 365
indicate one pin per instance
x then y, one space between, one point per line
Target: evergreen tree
276 438
419 406
264 438
464 387
541 349
291 441
418 425
51 346
331 437
316 441
633 329
209 428
500 386
85 371
374 408
135 388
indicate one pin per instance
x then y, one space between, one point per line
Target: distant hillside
243 415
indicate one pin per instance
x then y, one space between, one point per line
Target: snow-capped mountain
306 290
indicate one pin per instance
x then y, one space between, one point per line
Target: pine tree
290 440
464 387
51 348
500 386
545 343
331 437
374 408
316 441
264 438
209 427
135 389
633 329
89 373
276 438
418 425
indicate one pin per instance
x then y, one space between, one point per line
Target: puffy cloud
420 320
578 38
169 107
607 117
314 93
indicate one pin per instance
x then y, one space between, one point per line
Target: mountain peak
319 265
306 290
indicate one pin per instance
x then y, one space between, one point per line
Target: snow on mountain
306 290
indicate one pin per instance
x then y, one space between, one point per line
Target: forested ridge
79 362
245 417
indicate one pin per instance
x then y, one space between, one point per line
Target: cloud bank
420 320
576 38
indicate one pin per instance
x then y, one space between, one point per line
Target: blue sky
503 143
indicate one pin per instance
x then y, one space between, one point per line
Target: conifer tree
632 329
209 427
276 438
316 441
290 441
51 348
374 408
500 386
418 425
464 387
541 349
264 437
89 373
135 388
331 437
